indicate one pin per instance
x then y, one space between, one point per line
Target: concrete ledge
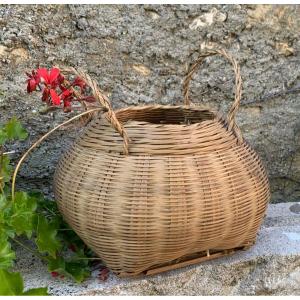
270 267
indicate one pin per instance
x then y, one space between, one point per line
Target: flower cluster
56 90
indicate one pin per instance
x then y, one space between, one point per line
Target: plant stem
29 249
41 140
50 211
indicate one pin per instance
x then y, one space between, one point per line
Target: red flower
51 79
55 97
32 81
56 90
54 274
66 94
80 83
67 97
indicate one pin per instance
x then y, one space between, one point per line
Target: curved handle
104 101
40 140
238 82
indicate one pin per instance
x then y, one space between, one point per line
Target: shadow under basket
154 188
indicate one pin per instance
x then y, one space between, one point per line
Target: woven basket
153 188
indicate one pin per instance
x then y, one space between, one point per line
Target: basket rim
217 116
166 107
163 134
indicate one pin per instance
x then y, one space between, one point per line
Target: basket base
186 261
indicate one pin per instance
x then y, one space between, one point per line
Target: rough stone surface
139 54
270 267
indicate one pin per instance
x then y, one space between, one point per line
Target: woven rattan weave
153 187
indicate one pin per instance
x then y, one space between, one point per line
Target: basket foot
186 261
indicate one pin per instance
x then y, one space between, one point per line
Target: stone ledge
270 267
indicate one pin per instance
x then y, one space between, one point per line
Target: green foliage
7 255
23 214
12 285
47 236
73 268
14 130
36 292
3 136
6 169
30 216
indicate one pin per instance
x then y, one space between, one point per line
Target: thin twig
9 152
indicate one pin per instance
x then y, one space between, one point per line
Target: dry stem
42 139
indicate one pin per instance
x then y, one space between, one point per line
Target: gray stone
82 24
270 267
295 208
139 54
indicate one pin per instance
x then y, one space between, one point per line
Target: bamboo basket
154 188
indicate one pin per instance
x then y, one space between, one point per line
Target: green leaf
7 255
76 269
5 215
6 168
11 283
47 236
3 201
23 213
46 206
36 292
3 136
56 264
15 130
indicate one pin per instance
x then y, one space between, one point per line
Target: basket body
186 186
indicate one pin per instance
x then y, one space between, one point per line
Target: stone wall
140 53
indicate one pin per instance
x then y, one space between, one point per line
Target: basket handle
238 82
104 101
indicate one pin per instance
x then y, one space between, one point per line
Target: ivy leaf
15 130
75 269
7 255
36 292
47 236
12 285
23 213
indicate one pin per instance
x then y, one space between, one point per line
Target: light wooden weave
183 185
